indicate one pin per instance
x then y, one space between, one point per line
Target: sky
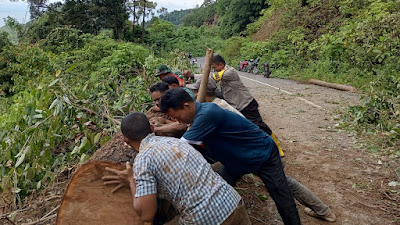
20 10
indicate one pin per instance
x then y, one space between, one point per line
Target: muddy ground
332 162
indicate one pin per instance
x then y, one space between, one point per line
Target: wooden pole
332 85
204 78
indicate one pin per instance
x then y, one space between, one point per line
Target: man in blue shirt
237 143
171 169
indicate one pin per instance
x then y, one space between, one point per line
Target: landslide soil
332 162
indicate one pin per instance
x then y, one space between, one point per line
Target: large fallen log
332 85
88 202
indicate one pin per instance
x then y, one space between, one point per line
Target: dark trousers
274 178
251 113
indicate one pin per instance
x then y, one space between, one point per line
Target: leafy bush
63 39
379 112
65 105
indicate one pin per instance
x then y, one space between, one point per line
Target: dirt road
325 158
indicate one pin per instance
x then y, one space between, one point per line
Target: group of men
229 131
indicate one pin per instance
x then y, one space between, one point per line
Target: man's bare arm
144 206
172 127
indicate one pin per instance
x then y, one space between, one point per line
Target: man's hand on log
121 177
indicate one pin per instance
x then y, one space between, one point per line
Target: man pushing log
172 169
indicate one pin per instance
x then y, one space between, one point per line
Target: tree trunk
144 15
134 20
206 73
332 85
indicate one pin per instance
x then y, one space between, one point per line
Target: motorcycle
253 67
243 65
240 66
267 72
193 61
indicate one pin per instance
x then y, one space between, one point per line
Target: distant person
171 169
237 95
241 146
174 83
164 71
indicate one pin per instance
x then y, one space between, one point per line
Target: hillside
12 34
175 17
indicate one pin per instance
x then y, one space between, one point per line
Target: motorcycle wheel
267 74
255 70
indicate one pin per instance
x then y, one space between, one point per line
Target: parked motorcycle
253 66
193 61
243 65
240 66
267 72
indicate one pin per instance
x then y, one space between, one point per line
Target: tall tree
133 6
90 16
146 9
37 8
162 12
144 15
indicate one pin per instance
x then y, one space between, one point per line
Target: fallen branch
8 219
19 210
53 210
53 197
43 219
332 85
259 220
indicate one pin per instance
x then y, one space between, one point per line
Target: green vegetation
348 42
64 101
165 37
176 16
63 98
9 34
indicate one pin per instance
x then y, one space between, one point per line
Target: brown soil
114 151
269 27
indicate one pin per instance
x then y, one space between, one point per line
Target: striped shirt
175 171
